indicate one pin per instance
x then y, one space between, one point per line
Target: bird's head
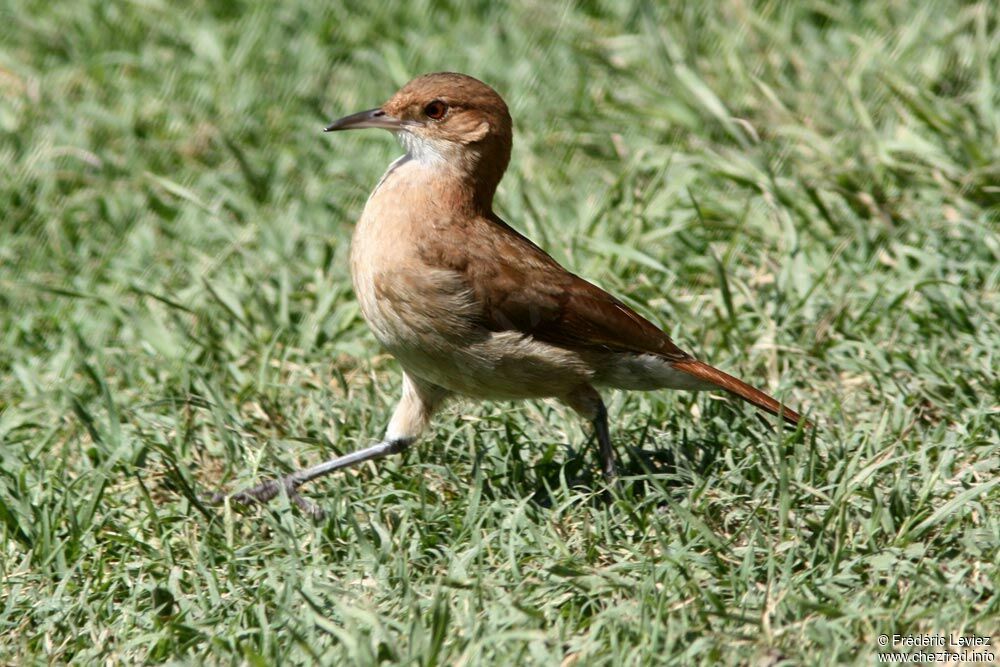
445 120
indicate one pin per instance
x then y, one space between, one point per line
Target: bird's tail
738 387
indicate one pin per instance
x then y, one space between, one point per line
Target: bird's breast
407 303
420 306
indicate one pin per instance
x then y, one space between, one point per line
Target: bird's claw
267 491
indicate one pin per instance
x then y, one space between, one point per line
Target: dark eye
436 110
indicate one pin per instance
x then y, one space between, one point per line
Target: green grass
807 195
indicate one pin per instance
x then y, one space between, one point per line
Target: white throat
424 150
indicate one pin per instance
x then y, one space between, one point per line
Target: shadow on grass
641 470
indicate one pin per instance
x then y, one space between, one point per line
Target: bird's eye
436 110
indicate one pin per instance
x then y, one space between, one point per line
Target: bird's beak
362 119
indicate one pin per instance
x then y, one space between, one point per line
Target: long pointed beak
362 119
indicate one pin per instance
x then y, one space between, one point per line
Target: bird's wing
518 287
521 288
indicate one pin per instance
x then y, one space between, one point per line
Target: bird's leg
588 404
608 468
265 491
416 406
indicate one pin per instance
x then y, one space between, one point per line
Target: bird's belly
442 344
428 319
492 365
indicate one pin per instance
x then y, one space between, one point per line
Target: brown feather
740 388
521 288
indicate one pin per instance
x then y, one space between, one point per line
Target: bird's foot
291 483
266 491
610 473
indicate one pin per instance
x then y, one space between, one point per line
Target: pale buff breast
427 317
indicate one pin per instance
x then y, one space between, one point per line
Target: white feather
424 150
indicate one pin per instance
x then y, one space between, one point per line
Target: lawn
804 194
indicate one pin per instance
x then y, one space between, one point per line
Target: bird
469 306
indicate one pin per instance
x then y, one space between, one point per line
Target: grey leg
588 404
604 443
418 403
290 483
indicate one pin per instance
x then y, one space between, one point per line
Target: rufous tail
738 387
